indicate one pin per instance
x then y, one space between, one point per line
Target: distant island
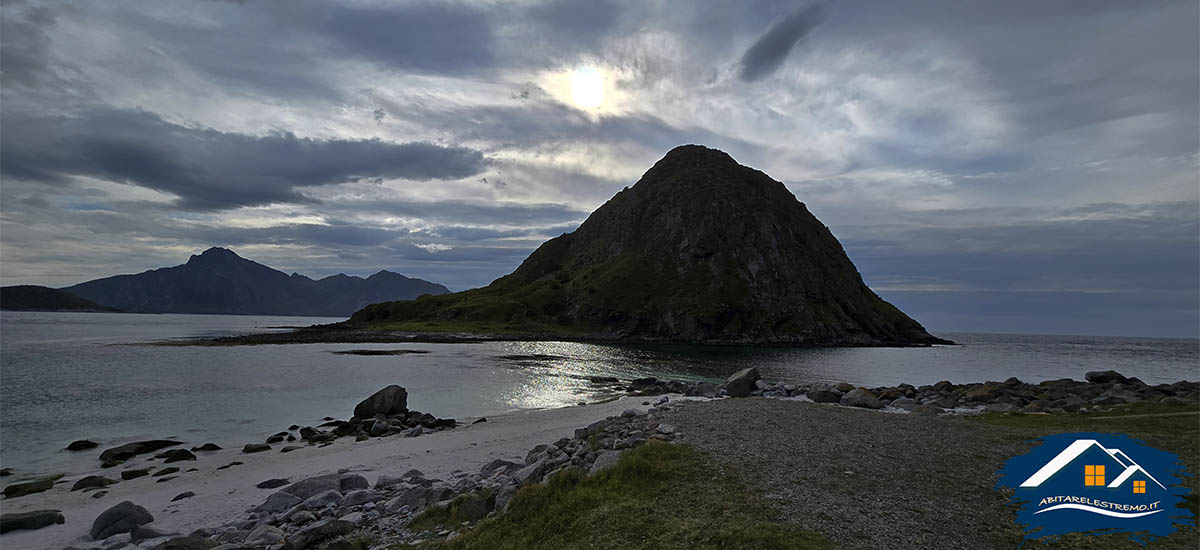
218 281
41 298
701 249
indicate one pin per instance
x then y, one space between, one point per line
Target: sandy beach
224 495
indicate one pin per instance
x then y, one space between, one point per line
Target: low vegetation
659 496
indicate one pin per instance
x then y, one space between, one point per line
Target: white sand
225 495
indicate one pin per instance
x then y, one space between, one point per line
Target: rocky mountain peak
701 248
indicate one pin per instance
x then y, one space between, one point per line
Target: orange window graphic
1139 486
1093 476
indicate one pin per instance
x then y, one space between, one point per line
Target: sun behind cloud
587 88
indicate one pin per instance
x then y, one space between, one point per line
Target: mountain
220 281
701 249
40 298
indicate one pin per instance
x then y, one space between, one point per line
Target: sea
68 376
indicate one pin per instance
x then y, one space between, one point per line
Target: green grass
1170 427
659 496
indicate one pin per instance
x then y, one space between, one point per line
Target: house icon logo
1087 482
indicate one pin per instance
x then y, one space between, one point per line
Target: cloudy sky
1018 166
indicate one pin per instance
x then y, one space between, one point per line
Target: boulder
92 481
317 532
183 495
388 401
290 448
279 502
306 488
119 454
264 535
165 471
360 497
256 448
30 487
132 474
141 533
1105 377
28 521
176 455
207 447
531 473
272 483
82 445
824 396
604 461
122 518
1115 397
859 397
741 383
352 482
321 500
703 389
413 497
1001 408
503 465
984 393
379 427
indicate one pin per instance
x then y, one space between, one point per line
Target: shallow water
67 376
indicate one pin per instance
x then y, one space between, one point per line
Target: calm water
67 376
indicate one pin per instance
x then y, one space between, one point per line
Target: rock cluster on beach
1101 389
312 511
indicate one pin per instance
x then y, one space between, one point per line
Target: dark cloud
772 49
434 37
208 169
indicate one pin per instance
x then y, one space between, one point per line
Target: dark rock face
117 455
82 445
388 401
122 518
26 521
220 281
741 383
677 257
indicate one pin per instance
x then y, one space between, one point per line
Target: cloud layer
976 159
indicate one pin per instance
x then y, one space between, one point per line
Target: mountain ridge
700 249
218 281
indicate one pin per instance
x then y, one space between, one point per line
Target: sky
1017 166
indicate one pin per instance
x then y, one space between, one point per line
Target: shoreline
222 496
342 334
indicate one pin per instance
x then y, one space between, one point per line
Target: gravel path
862 478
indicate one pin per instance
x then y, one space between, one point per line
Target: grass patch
659 496
452 515
1170 427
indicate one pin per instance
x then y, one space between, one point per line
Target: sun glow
587 88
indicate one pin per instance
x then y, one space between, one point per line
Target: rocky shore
345 505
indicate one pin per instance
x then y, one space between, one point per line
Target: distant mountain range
40 298
220 281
